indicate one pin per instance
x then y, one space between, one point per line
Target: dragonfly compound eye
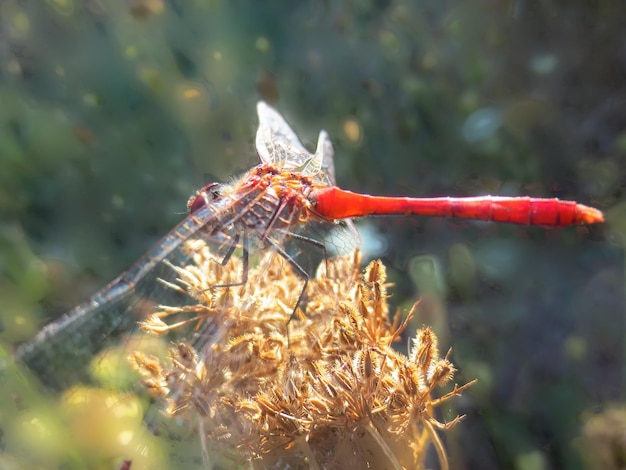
202 198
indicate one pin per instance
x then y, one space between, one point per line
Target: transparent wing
175 286
278 144
61 353
324 154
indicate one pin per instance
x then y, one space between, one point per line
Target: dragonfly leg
231 249
294 264
245 259
311 241
276 216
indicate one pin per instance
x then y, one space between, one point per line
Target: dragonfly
276 201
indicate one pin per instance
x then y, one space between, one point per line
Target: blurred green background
112 112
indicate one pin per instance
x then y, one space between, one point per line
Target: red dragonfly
274 201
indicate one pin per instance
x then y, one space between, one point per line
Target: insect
289 190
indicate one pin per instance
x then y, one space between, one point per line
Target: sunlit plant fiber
332 394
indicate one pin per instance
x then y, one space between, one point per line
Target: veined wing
62 349
326 153
278 144
60 353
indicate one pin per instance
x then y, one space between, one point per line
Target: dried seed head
336 393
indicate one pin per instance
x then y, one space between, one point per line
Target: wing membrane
278 144
59 354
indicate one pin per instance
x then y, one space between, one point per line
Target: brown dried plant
331 393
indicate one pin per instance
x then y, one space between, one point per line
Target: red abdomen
335 203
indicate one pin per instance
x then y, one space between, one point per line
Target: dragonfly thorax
264 199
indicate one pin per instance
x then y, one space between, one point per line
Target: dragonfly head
204 197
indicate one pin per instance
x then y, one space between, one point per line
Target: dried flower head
331 392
